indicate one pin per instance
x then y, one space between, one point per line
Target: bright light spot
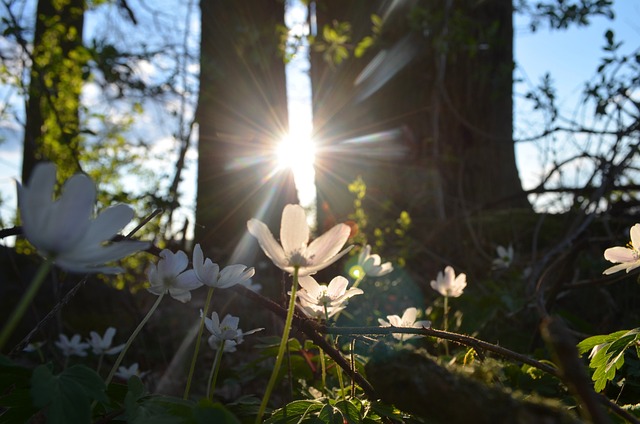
297 153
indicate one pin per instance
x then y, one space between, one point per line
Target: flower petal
267 242
635 236
329 244
409 316
294 229
619 254
337 287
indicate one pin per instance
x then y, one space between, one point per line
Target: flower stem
446 322
26 300
215 368
132 338
281 350
198 340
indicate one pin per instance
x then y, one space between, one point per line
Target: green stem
215 368
446 322
198 340
281 350
132 338
26 300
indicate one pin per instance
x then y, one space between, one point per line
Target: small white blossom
448 284
33 347
627 258
315 298
65 230
209 274
126 373
226 331
73 346
102 345
505 257
295 252
169 275
408 320
372 264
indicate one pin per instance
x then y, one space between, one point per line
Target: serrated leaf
295 411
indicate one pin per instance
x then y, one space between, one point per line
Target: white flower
169 275
209 274
505 257
372 264
627 258
448 284
33 347
294 236
73 346
126 373
226 331
314 297
64 230
102 345
408 320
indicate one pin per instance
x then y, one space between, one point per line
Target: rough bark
429 126
52 130
242 113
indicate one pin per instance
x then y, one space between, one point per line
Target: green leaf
206 412
350 412
68 395
294 412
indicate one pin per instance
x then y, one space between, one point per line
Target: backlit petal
294 230
267 242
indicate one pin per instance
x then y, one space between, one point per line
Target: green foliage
608 352
67 396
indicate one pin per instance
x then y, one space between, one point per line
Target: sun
296 153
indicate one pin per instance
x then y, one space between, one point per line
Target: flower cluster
324 301
226 332
408 320
627 258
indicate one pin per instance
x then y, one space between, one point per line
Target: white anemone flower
316 297
627 258
372 264
73 346
505 257
295 252
408 320
209 274
65 231
448 284
126 373
101 345
169 276
226 331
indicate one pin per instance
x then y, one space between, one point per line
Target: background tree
422 92
242 113
52 130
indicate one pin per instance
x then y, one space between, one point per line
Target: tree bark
425 116
242 113
52 130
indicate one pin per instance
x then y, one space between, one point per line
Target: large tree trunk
52 130
425 116
242 113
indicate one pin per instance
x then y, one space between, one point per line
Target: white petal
619 254
294 230
107 224
180 295
310 285
318 266
409 316
337 287
70 216
267 242
329 244
635 236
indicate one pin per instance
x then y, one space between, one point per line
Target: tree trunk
52 130
425 116
242 113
